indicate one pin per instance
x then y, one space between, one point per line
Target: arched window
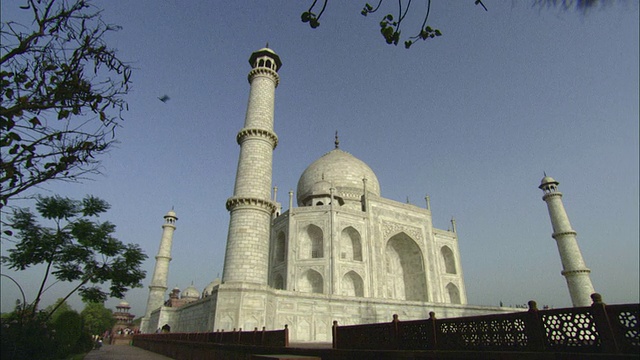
311 281
261 63
352 284
454 293
280 247
311 244
449 260
406 278
350 244
269 64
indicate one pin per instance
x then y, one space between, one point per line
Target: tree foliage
75 249
97 318
61 92
57 308
390 24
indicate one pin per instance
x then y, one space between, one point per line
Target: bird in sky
164 98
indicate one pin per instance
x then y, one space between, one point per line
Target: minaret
573 267
158 286
246 257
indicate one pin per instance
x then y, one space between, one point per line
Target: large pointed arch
311 242
350 244
405 270
311 281
352 284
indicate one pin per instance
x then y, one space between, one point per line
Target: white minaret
574 269
158 286
247 255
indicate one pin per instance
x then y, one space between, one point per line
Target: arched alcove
406 279
350 244
352 284
311 244
280 247
278 282
454 293
311 281
448 260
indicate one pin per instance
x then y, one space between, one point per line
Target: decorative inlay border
261 204
269 135
551 194
575 272
561 234
264 71
393 228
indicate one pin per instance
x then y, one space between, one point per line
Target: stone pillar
158 286
246 257
574 268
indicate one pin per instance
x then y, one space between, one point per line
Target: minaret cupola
548 184
265 58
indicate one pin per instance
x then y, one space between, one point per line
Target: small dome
190 293
171 213
341 170
547 180
209 289
123 304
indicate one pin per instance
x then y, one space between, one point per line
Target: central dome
341 170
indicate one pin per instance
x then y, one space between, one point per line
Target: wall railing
598 328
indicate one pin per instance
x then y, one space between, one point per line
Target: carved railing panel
416 335
571 329
372 336
625 326
492 332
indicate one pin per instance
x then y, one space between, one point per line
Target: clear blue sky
472 118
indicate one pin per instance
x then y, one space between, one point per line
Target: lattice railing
492 332
595 329
370 336
625 326
571 329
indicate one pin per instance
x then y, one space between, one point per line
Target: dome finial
337 142
267 46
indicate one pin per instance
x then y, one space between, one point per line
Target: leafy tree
70 335
390 24
26 336
57 308
97 318
75 249
61 95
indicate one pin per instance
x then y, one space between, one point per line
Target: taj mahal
340 252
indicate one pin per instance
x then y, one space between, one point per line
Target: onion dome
190 293
340 170
209 289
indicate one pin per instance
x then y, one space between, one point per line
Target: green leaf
35 122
